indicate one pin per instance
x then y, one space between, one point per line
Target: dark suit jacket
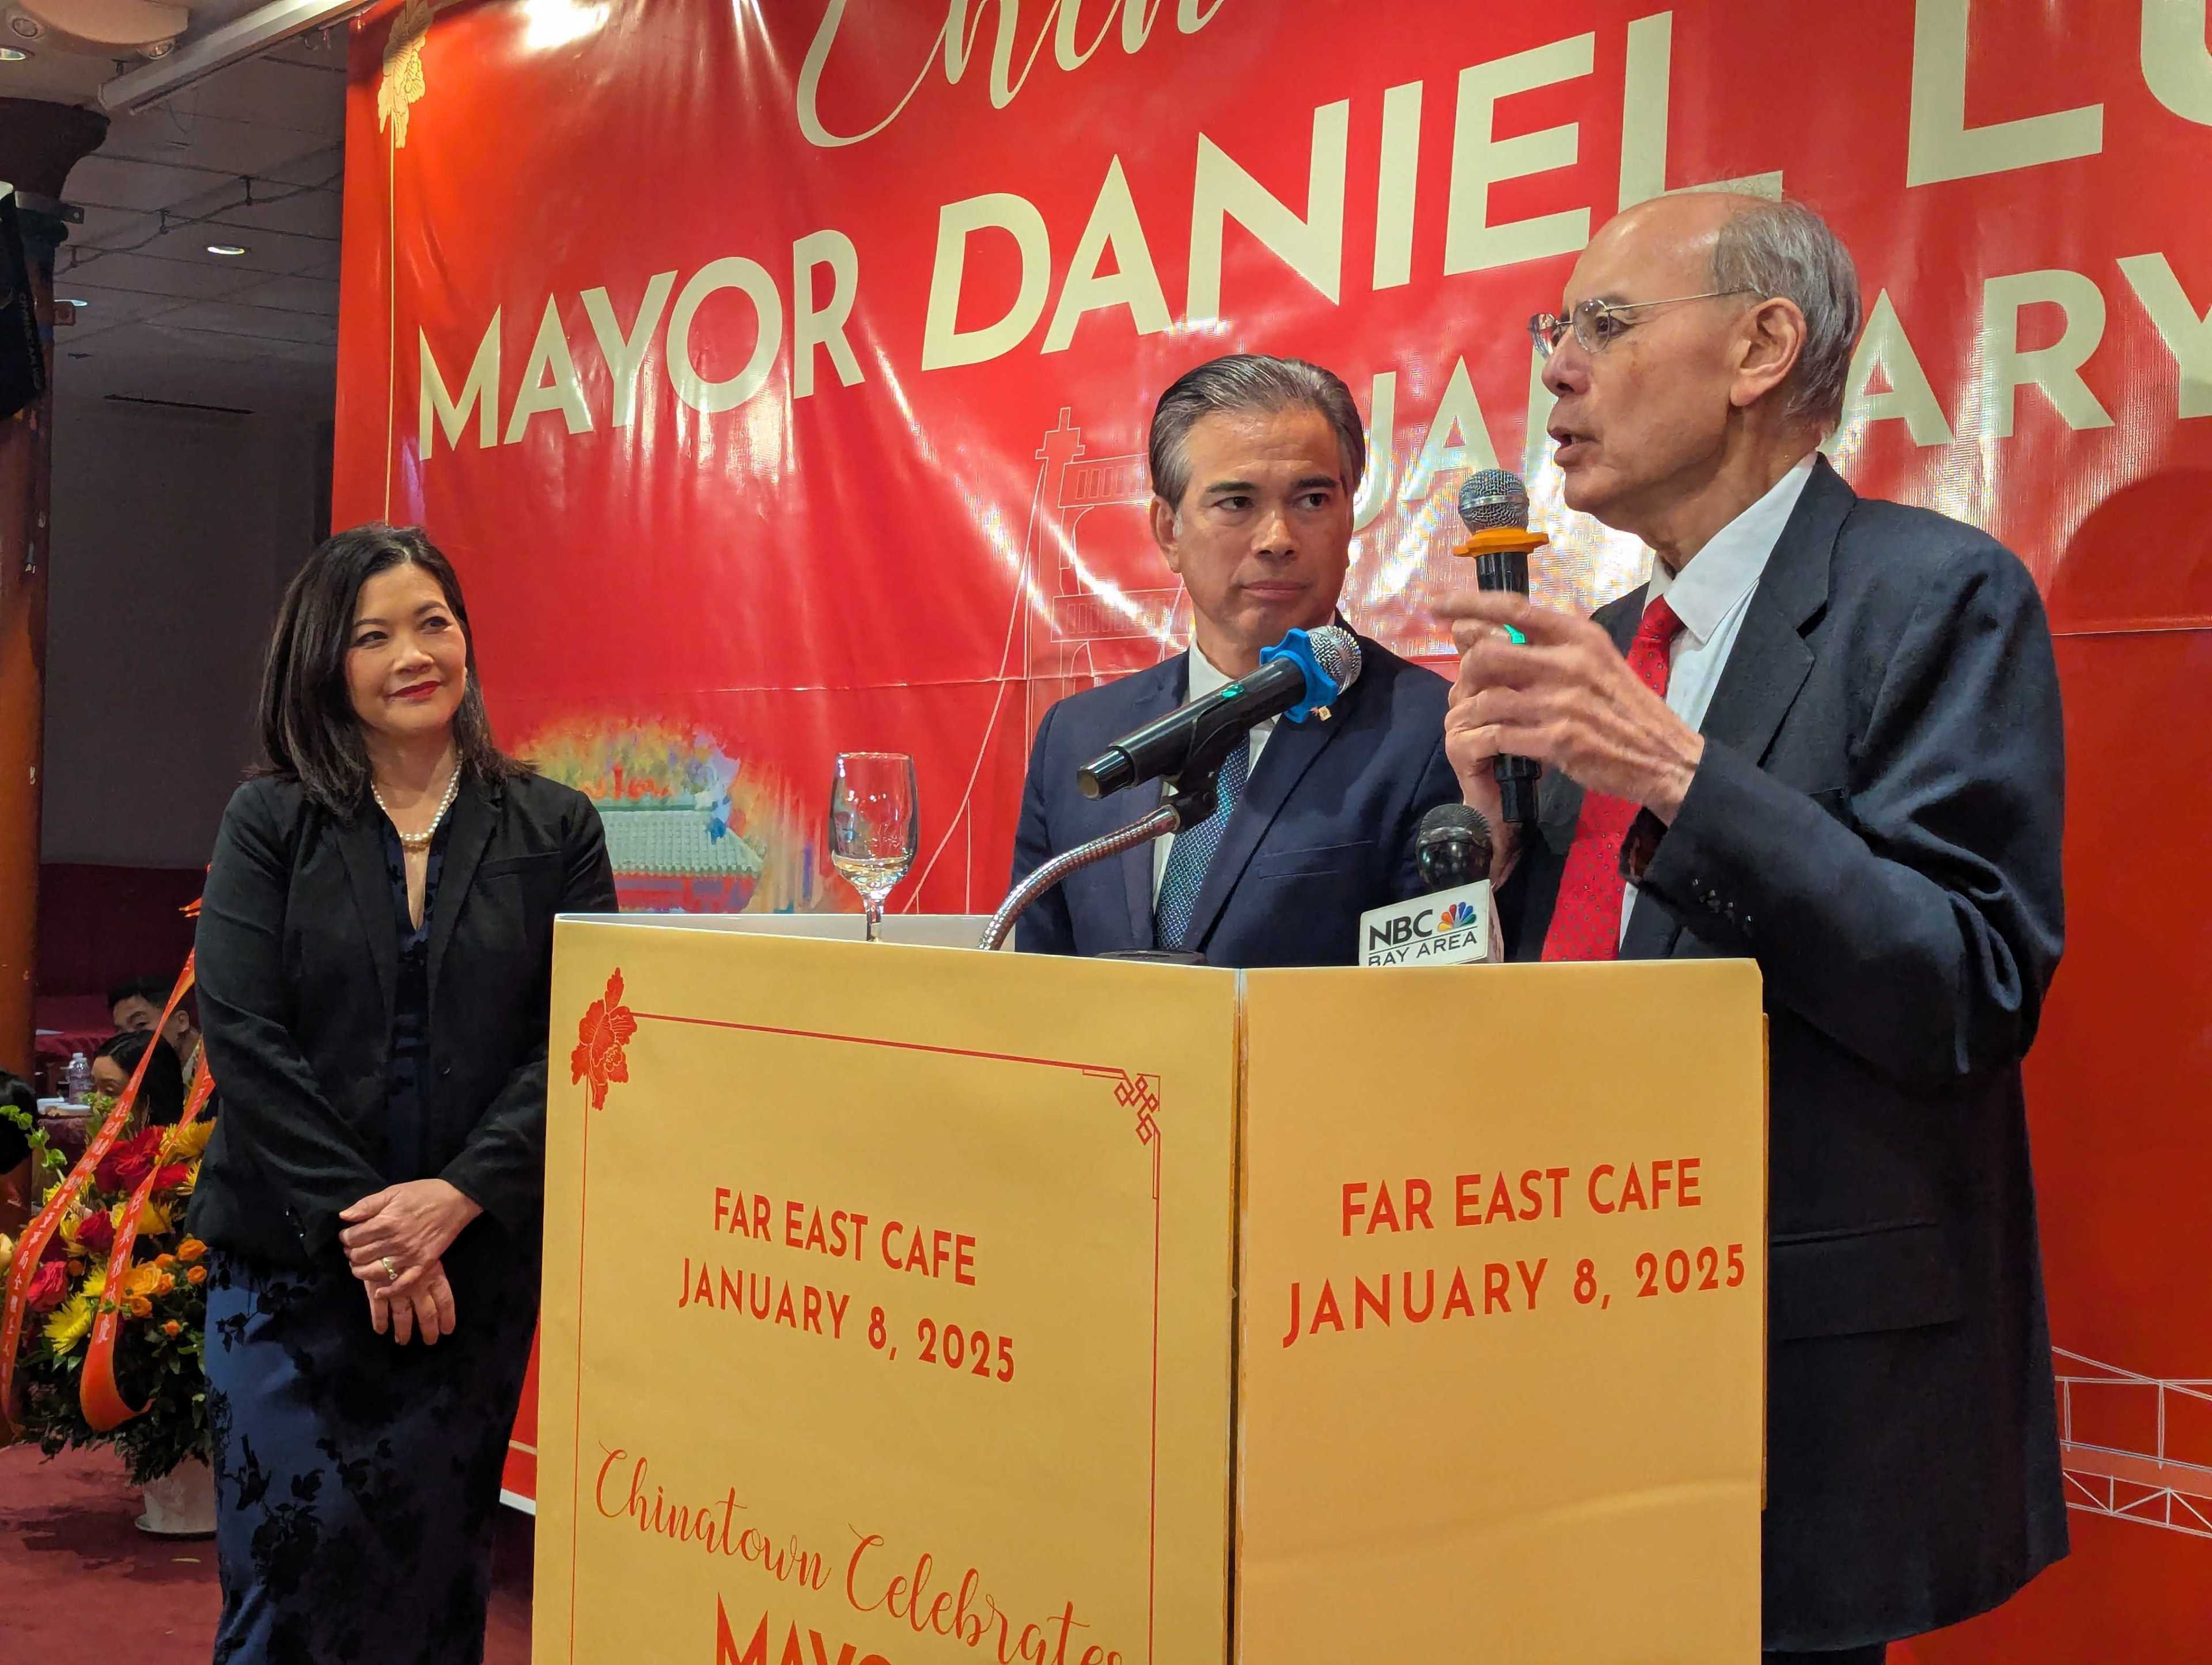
1876 821
1324 831
297 960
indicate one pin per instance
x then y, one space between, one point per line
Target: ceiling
251 157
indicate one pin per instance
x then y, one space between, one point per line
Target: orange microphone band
1501 540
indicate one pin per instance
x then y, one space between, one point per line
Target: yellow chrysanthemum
185 1143
7 1253
152 1220
67 1323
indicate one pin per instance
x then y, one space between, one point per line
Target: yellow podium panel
1502 1315
878 1330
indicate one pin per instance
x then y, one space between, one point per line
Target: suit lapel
474 816
1153 694
1289 752
361 842
1769 660
1768 664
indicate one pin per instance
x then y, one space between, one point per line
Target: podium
908 1304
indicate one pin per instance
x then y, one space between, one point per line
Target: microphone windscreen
1449 821
1336 650
1494 499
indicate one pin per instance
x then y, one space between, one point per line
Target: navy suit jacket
1876 823
1324 831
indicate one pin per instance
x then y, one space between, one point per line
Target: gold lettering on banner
954 48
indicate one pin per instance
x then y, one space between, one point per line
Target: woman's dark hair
309 732
161 1094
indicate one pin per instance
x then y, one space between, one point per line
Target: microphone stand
1196 791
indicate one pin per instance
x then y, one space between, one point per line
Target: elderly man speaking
1826 736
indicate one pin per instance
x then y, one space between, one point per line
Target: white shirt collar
1206 676
1722 575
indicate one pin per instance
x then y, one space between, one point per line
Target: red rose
169 1178
48 1288
122 1168
95 1234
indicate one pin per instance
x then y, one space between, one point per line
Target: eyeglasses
1598 323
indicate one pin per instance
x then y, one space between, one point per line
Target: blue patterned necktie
1192 854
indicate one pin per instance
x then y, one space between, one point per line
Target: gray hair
1248 381
1785 250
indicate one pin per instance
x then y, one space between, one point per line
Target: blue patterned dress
356 1479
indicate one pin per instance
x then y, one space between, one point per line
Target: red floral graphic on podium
606 1029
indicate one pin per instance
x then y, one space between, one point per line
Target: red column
39 143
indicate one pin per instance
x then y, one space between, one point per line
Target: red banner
777 377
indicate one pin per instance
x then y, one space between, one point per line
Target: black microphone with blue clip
1301 675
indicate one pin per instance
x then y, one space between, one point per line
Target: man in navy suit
1255 462
1825 737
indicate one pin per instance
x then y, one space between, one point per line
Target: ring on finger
390 1270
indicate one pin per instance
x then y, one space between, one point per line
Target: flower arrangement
159 1302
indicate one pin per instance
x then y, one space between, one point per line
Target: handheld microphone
1455 922
1453 847
1494 504
1301 675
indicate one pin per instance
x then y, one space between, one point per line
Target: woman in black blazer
375 949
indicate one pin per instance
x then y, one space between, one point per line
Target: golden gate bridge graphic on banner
1097 607
2134 1447
1090 603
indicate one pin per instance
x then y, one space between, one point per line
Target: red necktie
1586 918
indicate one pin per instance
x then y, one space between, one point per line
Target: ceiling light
12 54
228 250
70 301
560 22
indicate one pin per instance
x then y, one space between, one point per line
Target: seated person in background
136 1004
160 1095
1254 462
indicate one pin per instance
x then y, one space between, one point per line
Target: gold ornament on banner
403 82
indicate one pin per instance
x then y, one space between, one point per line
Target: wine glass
873 825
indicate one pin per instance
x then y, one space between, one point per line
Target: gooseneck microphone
1303 674
1452 847
1494 504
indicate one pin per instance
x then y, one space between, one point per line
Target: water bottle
78 1079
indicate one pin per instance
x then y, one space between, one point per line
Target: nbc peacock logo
1456 917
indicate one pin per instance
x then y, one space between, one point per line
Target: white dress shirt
1711 595
1206 678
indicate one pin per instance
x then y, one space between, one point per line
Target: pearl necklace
421 841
